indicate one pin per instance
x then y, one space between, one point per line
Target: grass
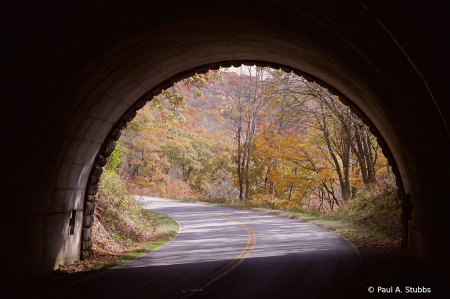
124 258
360 235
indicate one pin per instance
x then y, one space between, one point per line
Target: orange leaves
290 158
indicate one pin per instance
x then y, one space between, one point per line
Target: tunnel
75 72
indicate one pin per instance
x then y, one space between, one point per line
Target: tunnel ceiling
71 70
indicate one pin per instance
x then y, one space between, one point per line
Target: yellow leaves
298 160
326 174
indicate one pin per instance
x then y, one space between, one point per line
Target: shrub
119 212
377 206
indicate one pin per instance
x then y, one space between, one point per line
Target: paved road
229 253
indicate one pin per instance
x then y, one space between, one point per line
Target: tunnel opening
108 146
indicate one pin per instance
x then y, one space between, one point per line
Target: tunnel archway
86 76
109 143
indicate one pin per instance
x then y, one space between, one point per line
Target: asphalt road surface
229 253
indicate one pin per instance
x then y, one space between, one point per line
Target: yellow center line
248 243
244 253
254 243
232 264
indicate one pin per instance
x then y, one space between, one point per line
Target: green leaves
116 157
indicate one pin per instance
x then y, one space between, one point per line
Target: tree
291 142
339 147
242 111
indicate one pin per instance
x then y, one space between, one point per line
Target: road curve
230 253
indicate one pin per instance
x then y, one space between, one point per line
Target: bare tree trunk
249 151
292 186
247 182
241 178
337 166
368 153
187 174
346 161
239 172
360 154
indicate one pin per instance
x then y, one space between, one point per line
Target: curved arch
109 143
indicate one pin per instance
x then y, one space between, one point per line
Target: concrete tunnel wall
71 70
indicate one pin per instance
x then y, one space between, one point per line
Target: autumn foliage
259 136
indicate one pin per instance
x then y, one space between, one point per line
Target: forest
247 137
250 136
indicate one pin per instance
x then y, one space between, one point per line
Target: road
230 253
